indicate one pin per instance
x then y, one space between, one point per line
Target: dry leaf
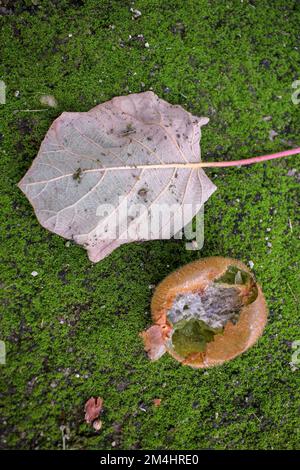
93 409
136 151
154 341
157 401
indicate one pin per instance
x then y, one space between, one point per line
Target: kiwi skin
195 277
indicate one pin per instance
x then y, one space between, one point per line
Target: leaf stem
250 161
245 161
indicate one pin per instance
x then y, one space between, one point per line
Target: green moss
72 331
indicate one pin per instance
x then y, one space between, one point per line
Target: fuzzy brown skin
195 277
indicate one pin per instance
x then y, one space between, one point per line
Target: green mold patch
192 336
234 275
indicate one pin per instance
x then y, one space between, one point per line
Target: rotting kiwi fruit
205 313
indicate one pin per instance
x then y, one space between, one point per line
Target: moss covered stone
71 331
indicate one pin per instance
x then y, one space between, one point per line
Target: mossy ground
72 331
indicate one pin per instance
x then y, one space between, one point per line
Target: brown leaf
93 409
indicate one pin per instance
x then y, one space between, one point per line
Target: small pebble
272 134
293 366
147 45
251 264
135 13
97 424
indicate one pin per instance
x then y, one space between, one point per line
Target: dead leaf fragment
154 342
93 409
157 401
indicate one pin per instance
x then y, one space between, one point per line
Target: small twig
65 435
257 417
30 110
7 287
